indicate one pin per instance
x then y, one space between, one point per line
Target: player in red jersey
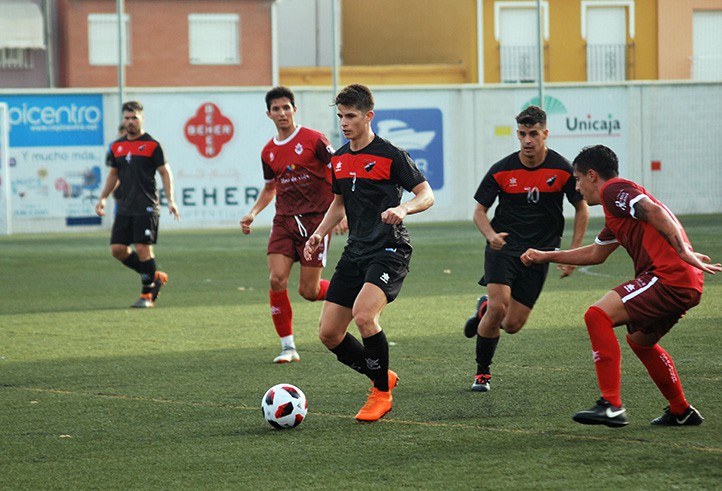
669 281
296 170
530 186
134 159
369 177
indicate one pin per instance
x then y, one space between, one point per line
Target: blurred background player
531 185
669 281
134 160
369 177
296 169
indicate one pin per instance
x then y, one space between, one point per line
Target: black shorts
526 282
386 269
131 229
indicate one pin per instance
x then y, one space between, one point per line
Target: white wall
464 130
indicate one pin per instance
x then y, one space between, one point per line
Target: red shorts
654 307
290 233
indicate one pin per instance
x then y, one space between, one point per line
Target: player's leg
145 231
600 320
487 339
310 285
279 269
668 305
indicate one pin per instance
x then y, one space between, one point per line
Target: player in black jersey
134 160
369 177
530 185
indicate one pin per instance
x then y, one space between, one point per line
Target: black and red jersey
649 250
300 167
530 200
137 161
371 181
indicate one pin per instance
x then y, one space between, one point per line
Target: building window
214 39
16 59
604 27
515 28
707 40
103 39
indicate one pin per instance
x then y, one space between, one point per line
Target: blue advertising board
418 131
55 120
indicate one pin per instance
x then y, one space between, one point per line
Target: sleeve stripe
634 201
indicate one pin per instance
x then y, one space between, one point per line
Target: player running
369 176
669 281
296 169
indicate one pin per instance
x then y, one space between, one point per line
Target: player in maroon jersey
530 186
369 177
134 159
296 170
669 281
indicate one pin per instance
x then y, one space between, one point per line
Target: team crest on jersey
369 166
298 149
272 157
622 200
551 180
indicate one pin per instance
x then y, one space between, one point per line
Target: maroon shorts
654 307
290 233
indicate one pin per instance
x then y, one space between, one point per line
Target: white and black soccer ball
284 406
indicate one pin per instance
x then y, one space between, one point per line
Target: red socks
281 313
661 368
607 355
323 284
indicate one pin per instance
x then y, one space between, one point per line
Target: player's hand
704 265
342 227
394 216
174 210
311 246
531 256
246 222
498 240
100 207
565 269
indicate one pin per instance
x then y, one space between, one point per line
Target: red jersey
300 167
650 252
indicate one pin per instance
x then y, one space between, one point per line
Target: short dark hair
357 96
133 106
532 115
599 158
279 93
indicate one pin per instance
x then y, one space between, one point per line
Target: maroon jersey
300 167
650 252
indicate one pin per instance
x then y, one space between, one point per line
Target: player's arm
264 199
110 184
590 254
481 220
647 210
423 200
581 221
336 212
166 177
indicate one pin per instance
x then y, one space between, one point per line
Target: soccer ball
284 406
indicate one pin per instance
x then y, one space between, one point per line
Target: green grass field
94 395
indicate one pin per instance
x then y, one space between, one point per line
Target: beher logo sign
208 130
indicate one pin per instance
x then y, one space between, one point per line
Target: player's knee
512 327
308 293
365 321
119 252
278 283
